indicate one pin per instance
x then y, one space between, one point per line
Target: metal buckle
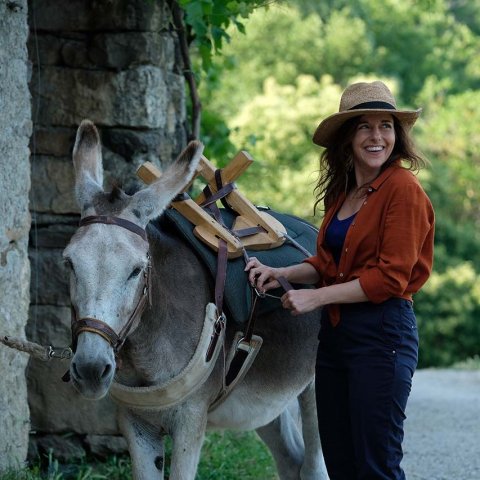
64 353
258 292
219 323
243 345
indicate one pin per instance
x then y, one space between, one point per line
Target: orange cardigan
389 245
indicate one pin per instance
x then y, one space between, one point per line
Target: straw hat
360 99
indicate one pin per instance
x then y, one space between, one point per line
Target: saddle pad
237 296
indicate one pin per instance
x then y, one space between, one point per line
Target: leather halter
88 324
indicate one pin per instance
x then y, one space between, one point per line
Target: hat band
370 105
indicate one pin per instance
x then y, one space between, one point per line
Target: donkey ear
87 160
150 202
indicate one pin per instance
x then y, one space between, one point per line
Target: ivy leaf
209 20
195 18
240 26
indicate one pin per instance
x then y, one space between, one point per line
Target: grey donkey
160 377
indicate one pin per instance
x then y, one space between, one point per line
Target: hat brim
327 128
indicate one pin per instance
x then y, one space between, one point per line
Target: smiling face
372 144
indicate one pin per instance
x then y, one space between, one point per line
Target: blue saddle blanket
237 295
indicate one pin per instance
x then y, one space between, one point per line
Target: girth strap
246 345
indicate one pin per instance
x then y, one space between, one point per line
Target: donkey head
109 260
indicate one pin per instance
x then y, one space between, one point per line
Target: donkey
117 260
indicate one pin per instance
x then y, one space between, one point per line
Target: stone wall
15 130
116 63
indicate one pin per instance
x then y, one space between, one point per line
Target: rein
93 325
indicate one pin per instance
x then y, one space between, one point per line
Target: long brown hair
337 175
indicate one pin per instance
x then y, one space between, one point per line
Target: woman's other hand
302 300
262 276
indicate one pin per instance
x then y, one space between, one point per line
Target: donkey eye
135 273
69 264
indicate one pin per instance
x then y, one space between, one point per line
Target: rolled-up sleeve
322 262
406 248
315 262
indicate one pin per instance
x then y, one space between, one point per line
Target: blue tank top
335 235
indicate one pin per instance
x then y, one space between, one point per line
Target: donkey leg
187 441
145 446
313 467
283 438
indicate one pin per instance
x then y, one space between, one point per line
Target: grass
234 456
225 456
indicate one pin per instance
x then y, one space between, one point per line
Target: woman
374 251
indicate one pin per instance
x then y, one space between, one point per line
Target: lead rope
36 350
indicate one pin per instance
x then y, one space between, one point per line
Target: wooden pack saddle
253 229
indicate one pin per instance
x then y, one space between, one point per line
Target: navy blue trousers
364 375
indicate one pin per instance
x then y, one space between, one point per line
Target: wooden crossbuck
207 229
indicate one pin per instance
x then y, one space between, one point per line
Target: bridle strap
120 222
136 314
93 325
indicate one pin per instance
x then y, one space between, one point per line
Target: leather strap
285 284
221 276
132 227
218 195
89 324
136 314
245 232
93 325
219 182
297 245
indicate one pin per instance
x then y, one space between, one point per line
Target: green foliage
209 20
412 39
450 134
450 137
472 363
275 127
467 12
316 51
448 309
270 95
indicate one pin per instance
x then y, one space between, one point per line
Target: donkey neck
169 331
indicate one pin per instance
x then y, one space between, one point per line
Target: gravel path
442 430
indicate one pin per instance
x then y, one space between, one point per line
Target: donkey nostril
107 371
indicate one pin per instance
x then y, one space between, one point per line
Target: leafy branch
204 23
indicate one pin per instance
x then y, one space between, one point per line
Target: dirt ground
442 430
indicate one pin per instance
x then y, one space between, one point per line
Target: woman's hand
302 301
305 300
262 276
